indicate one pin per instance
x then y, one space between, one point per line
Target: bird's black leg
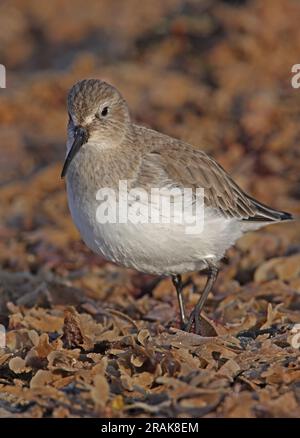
195 315
177 281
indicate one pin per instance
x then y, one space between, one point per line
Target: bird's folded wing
186 167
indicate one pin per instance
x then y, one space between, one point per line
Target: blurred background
214 73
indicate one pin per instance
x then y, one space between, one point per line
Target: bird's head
98 114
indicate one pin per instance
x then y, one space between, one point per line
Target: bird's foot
193 319
184 324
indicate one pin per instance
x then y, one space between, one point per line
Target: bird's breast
159 248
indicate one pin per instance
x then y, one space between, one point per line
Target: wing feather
178 164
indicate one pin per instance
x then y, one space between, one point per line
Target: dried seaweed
85 338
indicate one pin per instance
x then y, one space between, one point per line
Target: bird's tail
267 214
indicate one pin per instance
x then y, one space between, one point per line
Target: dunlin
105 147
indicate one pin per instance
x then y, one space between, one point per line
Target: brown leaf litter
85 338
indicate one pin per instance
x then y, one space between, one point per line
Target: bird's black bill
81 137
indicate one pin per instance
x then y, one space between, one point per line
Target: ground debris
85 338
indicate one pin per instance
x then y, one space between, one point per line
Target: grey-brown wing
183 166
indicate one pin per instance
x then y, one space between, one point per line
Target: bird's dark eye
104 112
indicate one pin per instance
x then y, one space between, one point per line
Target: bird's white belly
159 248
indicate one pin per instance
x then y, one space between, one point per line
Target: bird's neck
95 167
